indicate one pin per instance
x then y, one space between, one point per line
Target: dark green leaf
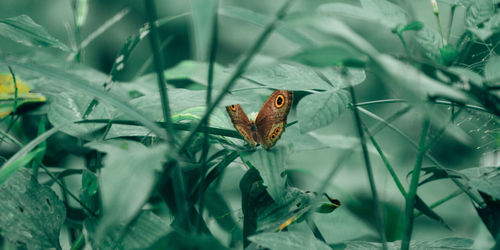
32 215
24 30
448 54
318 110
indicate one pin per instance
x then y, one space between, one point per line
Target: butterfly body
269 123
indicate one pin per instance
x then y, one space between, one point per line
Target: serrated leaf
441 244
478 12
485 179
430 41
125 181
22 29
271 167
31 214
318 110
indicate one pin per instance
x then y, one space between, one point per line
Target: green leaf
318 110
291 76
381 11
261 21
328 55
491 72
288 241
88 193
478 12
430 41
22 29
82 9
415 25
125 181
448 54
32 214
485 179
142 233
444 244
351 226
203 15
271 167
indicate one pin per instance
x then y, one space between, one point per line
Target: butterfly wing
271 119
244 126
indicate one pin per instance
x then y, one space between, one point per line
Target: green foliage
99 142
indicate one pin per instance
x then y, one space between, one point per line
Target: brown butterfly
270 122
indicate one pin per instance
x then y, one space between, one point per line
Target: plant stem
412 193
204 154
159 66
442 201
378 210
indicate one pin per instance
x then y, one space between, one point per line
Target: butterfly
270 122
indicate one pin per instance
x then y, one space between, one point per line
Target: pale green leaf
491 71
485 179
318 110
288 241
203 16
22 29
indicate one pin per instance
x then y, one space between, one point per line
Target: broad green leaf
72 81
22 29
288 241
125 181
485 179
301 141
261 20
203 15
328 55
381 11
441 244
478 12
142 233
491 72
287 75
271 166
68 106
430 41
318 110
32 215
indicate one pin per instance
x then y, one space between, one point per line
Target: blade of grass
379 216
159 66
117 17
429 156
412 193
8 170
204 154
148 62
441 201
239 70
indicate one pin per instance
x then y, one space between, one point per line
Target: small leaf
415 25
271 166
125 181
448 54
318 110
288 241
24 30
32 214
478 12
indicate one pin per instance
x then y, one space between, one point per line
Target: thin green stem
206 146
403 42
412 193
378 209
159 66
450 21
79 242
442 201
239 70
